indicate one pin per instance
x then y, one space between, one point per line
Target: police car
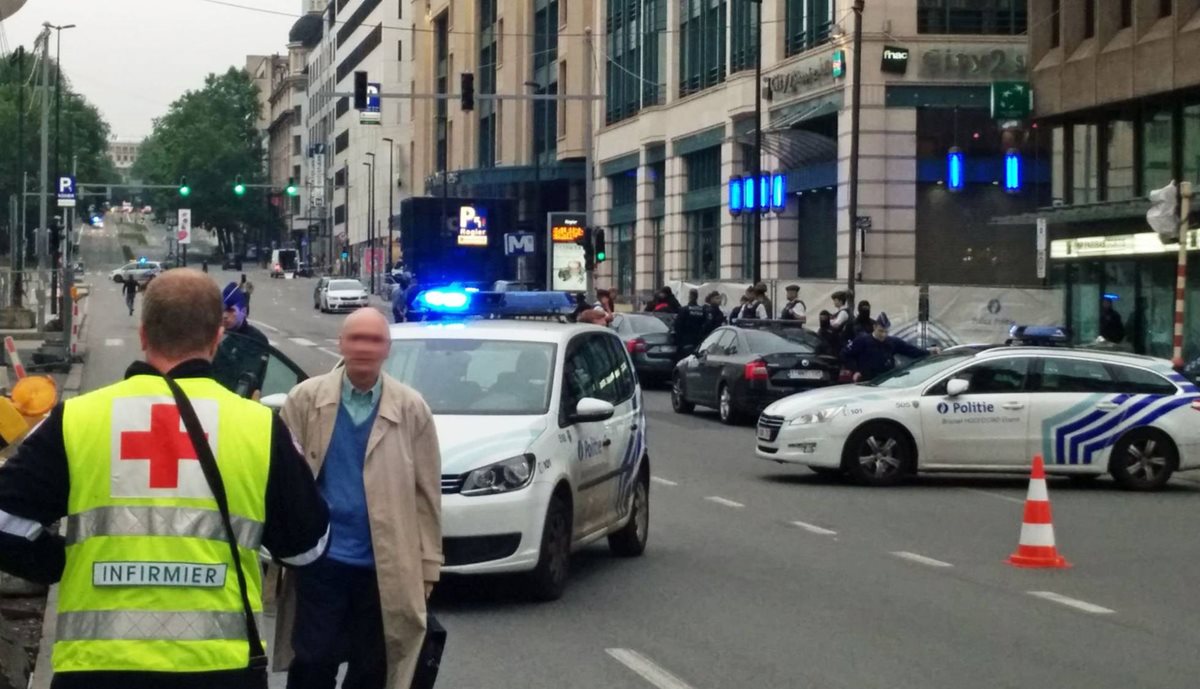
990 410
542 431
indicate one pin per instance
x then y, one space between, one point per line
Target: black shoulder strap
212 474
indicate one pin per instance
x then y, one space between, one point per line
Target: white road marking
723 501
663 481
813 528
646 669
330 352
264 325
302 342
332 340
920 559
114 342
1071 602
998 496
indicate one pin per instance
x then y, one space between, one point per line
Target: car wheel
1143 459
630 541
549 579
730 416
678 402
877 454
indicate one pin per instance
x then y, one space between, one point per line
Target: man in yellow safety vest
156 525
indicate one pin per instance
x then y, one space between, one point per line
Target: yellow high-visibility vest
149 583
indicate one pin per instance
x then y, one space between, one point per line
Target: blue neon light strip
954 170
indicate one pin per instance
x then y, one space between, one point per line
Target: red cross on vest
165 445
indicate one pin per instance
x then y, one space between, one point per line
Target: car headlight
817 417
504 476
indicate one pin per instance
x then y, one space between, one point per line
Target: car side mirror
275 401
591 409
957 386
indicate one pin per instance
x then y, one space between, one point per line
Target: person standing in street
760 296
840 322
871 355
689 325
235 319
713 316
129 288
795 309
150 592
247 288
372 444
862 324
1112 328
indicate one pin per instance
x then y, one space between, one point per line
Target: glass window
991 377
795 340
1089 18
476 377
640 325
1085 164
704 234
702 38
1118 160
808 23
710 343
624 59
1004 17
917 372
743 36
656 227
623 251
703 169
1164 8
345 286
623 187
1074 375
1191 142
1058 165
1126 14
1157 131
728 341
1055 23
1139 381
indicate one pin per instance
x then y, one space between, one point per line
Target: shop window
623 188
704 236
1085 159
1157 135
623 251
703 169
1119 178
1191 143
1002 17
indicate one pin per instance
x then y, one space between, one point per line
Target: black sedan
650 344
741 369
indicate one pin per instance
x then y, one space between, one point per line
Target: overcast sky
131 58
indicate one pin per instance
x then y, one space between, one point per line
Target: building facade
528 150
1117 92
678 123
123 155
285 150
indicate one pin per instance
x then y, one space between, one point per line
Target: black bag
212 474
432 648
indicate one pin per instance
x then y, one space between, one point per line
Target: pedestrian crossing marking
302 342
114 342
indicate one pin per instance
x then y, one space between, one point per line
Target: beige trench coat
402 475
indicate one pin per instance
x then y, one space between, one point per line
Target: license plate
764 433
805 375
662 350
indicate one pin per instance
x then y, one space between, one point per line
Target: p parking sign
66 192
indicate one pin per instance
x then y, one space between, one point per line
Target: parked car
343 295
231 262
143 271
319 291
741 369
650 343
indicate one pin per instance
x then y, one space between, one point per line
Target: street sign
373 114
1011 100
864 222
520 244
1041 248
184 233
66 192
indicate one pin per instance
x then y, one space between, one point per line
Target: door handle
1106 406
1014 406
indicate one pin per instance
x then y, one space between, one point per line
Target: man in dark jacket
689 325
1112 328
862 324
713 316
875 354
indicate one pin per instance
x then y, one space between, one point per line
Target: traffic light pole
1185 210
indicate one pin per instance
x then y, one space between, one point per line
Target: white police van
1086 412
542 431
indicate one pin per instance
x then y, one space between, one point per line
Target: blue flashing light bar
954 169
1012 171
748 196
456 302
736 200
445 300
778 192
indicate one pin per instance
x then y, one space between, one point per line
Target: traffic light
360 90
598 245
589 251
239 188
468 91
292 189
184 190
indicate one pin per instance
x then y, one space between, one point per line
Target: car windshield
476 377
643 325
781 341
918 371
345 286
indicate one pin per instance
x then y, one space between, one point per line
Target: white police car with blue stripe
542 431
1087 412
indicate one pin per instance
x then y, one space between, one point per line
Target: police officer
236 316
794 309
689 324
149 593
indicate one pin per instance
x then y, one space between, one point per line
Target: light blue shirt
360 405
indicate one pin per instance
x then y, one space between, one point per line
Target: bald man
373 447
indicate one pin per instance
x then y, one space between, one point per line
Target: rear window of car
345 285
641 325
1139 381
778 342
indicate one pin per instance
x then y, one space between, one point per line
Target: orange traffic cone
1036 548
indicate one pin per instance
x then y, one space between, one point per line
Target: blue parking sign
66 192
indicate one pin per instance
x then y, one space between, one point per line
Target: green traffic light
239 189
185 191
601 257
292 190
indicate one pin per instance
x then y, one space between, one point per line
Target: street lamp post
538 213
57 146
855 116
756 167
371 220
391 188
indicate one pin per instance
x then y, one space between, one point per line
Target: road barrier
10 346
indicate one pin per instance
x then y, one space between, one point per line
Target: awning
1081 213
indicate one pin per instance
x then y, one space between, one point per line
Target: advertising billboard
568 271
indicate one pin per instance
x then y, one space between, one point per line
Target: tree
211 137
